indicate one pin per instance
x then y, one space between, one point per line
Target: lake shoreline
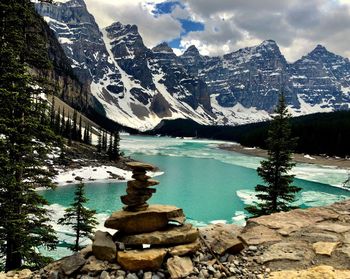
341 163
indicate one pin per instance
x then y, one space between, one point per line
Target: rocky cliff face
139 87
62 80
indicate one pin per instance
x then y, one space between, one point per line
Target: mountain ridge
138 86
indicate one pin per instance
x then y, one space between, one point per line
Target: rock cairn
146 234
138 191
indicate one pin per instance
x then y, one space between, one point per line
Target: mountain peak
319 49
268 43
192 51
127 27
163 47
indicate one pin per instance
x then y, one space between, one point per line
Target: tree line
320 133
29 131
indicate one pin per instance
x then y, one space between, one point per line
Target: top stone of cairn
140 166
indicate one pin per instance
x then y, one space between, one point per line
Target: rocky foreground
311 243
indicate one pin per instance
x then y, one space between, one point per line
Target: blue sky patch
189 25
166 7
175 43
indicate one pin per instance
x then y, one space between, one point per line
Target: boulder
71 264
318 272
179 267
140 166
103 247
222 238
155 217
325 248
86 251
134 260
172 235
184 249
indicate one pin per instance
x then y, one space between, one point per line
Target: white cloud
297 26
152 29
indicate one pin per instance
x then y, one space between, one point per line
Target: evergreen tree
24 221
90 136
75 126
58 122
104 141
80 129
80 218
68 130
63 122
278 193
99 142
110 147
52 114
116 146
87 135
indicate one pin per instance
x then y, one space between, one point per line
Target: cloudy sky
220 26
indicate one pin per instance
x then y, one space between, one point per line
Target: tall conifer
116 146
58 121
277 194
80 128
25 139
81 219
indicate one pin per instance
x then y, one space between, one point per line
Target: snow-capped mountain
138 86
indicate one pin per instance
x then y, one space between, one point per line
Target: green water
208 183
207 189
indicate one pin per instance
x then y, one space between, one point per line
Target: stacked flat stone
138 191
160 226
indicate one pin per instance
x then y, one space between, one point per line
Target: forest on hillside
320 133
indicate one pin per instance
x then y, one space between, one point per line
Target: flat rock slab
182 250
179 267
287 251
155 217
256 235
138 184
222 238
325 248
318 272
134 260
140 166
312 237
332 227
287 222
172 235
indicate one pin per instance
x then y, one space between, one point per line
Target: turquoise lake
210 184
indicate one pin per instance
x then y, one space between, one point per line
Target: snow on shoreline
93 174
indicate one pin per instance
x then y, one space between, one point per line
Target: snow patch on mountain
138 87
238 114
306 108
